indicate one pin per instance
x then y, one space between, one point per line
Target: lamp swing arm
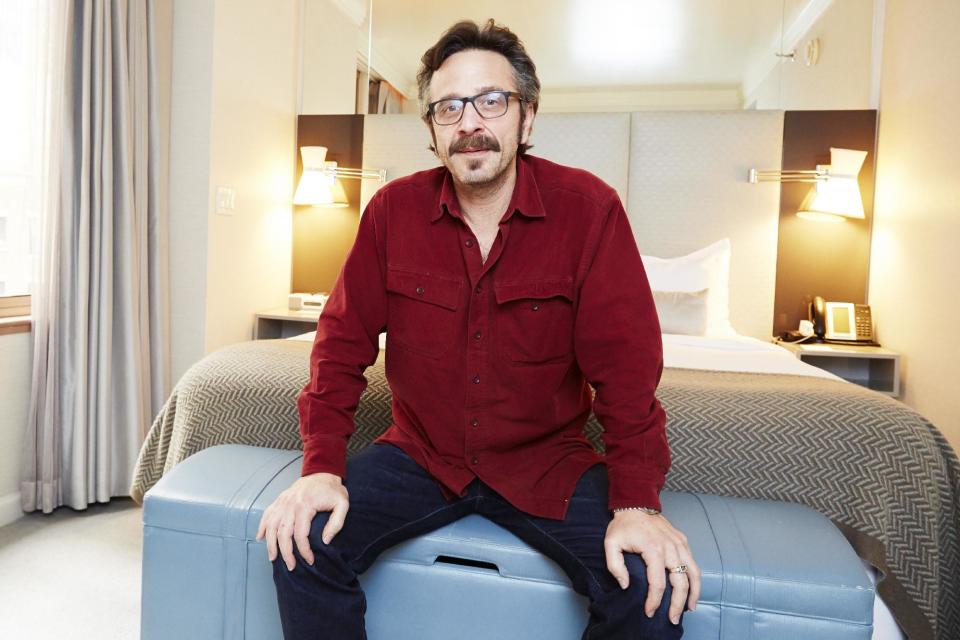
820 174
357 174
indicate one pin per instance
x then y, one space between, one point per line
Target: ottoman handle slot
488 566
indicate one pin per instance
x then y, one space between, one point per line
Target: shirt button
420 291
476 379
474 460
479 288
566 500
475 422
535 307
469 243
476 335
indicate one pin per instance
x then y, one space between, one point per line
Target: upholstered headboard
681 176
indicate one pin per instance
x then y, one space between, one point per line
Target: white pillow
682 312
707 268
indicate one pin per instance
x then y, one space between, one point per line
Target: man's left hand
661 546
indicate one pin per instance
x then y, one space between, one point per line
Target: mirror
609 55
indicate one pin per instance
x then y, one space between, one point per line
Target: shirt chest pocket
535 321
422 311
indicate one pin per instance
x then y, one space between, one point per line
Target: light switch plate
225 200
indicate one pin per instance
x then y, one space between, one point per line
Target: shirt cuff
630 491
324 455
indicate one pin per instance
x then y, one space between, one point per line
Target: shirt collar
525 199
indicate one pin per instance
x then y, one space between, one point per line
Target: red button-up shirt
489 361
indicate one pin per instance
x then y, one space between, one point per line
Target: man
506 284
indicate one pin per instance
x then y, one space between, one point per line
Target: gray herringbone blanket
883 474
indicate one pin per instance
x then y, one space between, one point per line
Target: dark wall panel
822 258
323 236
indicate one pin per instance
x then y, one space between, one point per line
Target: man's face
478 151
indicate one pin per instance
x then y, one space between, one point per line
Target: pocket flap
507 291
442 291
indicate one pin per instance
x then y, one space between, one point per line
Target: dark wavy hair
466 35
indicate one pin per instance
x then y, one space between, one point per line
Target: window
23 44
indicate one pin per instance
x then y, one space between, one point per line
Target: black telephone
841 322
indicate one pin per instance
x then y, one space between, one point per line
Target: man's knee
638 598
625 609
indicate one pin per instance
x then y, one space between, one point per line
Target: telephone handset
843 322
816 313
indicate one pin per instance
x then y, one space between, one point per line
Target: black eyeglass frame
470 100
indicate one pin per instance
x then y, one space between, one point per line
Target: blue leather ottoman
771 570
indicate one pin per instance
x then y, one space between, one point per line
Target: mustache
478 141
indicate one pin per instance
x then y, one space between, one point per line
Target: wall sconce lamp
319 184
836 194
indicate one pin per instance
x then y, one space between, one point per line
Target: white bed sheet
311 336
740 353
747 355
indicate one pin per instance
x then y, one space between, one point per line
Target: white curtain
100 305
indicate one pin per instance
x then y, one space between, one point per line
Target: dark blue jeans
393 499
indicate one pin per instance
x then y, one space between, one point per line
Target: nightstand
284 323
872 367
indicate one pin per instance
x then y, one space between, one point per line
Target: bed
743 419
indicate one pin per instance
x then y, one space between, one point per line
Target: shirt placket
479 348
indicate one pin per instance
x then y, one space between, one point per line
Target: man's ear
527 127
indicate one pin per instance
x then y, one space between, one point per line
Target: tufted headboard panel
688 188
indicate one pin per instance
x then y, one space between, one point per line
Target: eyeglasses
491 104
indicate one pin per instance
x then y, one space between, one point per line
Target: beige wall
15 364
841 79
915 257
252 146
234 94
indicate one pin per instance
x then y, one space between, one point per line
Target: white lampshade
318 184
838 197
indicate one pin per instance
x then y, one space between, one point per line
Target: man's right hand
288 518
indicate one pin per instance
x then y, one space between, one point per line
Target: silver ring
680 568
